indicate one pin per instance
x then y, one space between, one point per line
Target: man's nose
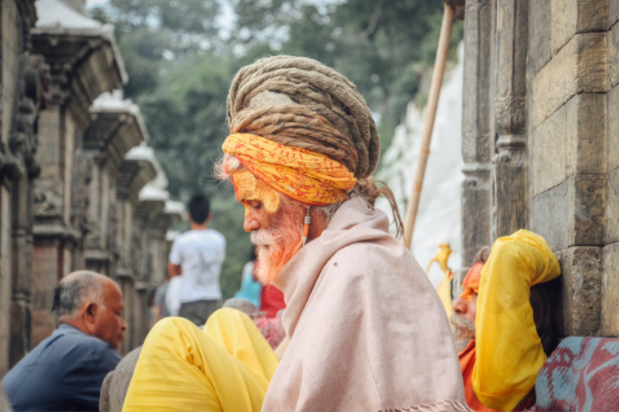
123 324
251 223
460 306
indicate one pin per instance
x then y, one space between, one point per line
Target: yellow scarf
308 177
508 349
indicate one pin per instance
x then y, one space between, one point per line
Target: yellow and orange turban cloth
311 178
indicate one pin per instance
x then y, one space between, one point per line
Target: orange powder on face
470 285
248 188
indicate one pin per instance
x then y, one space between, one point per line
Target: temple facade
79 186
540 142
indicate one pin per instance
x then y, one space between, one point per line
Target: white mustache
261 238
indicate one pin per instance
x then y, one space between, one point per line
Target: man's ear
89 313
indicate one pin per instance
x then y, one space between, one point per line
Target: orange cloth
467 363
308 177
470 284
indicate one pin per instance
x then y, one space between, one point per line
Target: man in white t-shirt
196 257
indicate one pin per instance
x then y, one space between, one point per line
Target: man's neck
77 324
196 226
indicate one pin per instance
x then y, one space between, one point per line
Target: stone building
540 142
24 92
73 194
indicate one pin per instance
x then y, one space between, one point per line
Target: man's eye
254 204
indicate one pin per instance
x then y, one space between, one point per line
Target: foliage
180 67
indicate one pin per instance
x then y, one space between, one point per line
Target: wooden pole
428 126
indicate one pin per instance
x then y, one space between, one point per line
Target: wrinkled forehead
248 188
472 279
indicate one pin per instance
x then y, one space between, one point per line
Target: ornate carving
80 198
47 198
32 95
136 252
112 219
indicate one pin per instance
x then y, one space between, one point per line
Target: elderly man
66 370
509 311
367 330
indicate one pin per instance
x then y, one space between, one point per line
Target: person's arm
174 261
174 270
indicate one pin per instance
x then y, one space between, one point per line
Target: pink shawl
368 331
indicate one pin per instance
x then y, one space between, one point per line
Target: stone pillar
134 173
477 128
116 127
84 63
23 94
509 206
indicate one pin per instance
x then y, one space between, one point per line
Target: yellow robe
226 367
509 353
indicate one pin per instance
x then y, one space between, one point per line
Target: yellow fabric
444 292
227 367
509 352
308 177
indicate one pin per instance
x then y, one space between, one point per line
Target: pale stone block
548 151
613 13
610 292
612 207
613 56
612 135
586 133
549 216
587 213
563 21
576 16
572 213
582 271
540 40
579 67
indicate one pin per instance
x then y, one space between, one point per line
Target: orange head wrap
308 177
470 284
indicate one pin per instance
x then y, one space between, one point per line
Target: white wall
438 220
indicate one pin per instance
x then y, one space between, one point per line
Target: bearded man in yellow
509 310
367 330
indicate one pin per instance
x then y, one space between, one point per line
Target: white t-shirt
200 254
173 295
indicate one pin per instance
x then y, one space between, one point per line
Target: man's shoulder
192 235
72 342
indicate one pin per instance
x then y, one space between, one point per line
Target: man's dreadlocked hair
300 102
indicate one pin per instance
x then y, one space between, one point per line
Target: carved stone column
509 206
84 63
19 166
477 129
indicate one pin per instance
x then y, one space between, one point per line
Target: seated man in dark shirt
66 370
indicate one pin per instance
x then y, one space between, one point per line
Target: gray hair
75 289
241 304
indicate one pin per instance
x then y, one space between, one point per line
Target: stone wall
547 77
24 93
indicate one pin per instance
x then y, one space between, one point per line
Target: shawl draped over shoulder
368 331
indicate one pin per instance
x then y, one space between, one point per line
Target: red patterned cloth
582 374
